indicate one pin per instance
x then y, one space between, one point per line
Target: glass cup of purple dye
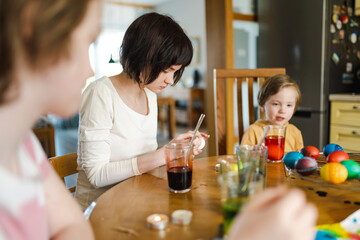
179 165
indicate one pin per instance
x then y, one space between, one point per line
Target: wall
217 57
115 20
190 14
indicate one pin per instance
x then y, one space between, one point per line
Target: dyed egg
306 166
352 167
337 156
291 158
331 147
334 173
310 151
275 152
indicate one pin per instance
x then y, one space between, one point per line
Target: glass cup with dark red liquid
179 164
275 141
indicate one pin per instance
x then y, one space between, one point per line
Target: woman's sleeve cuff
135 166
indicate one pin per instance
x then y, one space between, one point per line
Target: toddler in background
278 97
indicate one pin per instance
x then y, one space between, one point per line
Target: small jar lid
181 217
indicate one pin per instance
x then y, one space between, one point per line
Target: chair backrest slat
220 111
250 88
239 107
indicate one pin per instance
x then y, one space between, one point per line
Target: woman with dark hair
118 115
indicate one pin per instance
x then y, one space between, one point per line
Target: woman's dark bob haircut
152 44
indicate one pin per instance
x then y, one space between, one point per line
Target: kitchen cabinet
345 121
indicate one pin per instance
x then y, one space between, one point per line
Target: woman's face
69 76
164 79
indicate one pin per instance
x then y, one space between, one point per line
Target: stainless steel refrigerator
318 52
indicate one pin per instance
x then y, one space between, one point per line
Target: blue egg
291 158
331 147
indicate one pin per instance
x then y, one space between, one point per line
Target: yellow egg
334 173
234 167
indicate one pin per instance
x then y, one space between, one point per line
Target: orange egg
337 156
275 152
334 173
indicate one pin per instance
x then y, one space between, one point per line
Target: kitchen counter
348 97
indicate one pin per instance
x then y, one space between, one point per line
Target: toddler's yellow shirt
293 138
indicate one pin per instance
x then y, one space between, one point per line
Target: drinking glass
179 165
275 141
241 176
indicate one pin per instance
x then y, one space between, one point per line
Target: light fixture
111 59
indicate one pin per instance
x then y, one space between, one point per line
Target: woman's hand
199 141
276 214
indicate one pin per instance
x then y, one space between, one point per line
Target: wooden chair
224 82
169 116
46 136
64 166
196 94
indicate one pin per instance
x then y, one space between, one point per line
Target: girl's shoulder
25 196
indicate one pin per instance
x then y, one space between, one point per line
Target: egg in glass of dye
291 158
337 156
352 167
306 166
331 147
310 151
334 173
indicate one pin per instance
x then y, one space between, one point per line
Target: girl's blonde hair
40 29
273 85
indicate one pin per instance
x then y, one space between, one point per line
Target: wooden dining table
121 212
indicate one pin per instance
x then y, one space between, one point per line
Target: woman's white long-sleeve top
111 136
